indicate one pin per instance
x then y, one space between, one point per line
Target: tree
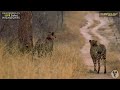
60 19
62 14
25 31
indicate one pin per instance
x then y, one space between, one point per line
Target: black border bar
55 5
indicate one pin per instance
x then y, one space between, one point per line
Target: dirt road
85 31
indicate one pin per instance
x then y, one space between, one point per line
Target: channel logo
108 14
10 15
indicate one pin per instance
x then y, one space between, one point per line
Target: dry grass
65 62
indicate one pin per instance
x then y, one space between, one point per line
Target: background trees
31 26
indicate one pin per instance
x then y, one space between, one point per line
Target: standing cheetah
44 47
97 52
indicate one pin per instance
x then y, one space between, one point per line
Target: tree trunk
25 31
62 14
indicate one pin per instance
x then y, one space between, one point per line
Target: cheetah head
93 42
51 36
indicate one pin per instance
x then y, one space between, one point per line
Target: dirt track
85 31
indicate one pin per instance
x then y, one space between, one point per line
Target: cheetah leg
98 66
104 66
43 53
33 52
95 65
39 53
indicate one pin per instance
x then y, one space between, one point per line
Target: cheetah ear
52 33
90 41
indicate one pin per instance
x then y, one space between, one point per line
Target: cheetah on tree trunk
98 53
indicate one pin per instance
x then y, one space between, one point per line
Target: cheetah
98 53
44 47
